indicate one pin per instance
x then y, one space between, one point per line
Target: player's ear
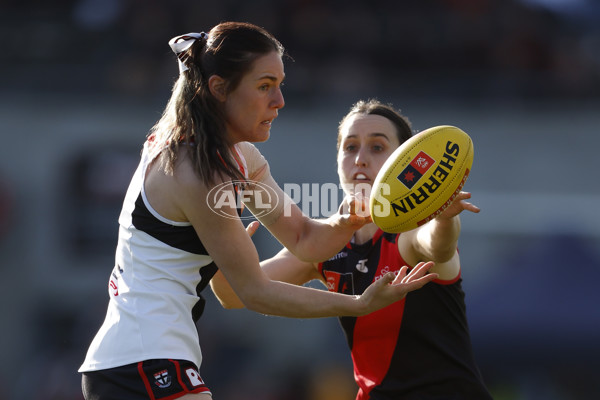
217 87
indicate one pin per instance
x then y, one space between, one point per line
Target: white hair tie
179 44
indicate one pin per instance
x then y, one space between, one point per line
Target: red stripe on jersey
376 334
372 353
239 163
377 235
447 281
178 369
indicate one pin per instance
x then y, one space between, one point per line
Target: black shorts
150 379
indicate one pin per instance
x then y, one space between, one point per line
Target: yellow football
421 178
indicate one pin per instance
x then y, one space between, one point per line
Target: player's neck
365 233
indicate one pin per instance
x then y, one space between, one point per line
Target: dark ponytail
194 116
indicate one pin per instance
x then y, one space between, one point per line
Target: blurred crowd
451 47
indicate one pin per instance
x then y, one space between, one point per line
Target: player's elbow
259 303
260 299
227 297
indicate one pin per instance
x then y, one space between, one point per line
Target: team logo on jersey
162 379
114 283
114 287
361 266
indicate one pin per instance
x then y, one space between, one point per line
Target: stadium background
82 81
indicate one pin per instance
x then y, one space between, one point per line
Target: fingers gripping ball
421 178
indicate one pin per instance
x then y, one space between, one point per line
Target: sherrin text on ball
421 178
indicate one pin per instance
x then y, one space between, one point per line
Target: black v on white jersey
154 300
159 264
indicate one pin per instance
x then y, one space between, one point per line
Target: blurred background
82 82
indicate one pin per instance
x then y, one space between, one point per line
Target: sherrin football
421 178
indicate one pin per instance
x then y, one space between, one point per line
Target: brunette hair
375 107
193 117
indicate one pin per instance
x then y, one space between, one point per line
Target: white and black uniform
160 268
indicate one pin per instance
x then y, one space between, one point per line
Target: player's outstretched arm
437 240
285 267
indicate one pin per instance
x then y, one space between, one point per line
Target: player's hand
354 211
459 205
392 286
252 228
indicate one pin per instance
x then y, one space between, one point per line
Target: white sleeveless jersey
160 268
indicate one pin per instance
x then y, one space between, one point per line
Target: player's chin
262 134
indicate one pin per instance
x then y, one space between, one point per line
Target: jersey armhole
448 281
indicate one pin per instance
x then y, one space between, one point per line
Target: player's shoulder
254 160
247 148
186 178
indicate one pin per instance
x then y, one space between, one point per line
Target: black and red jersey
416 348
